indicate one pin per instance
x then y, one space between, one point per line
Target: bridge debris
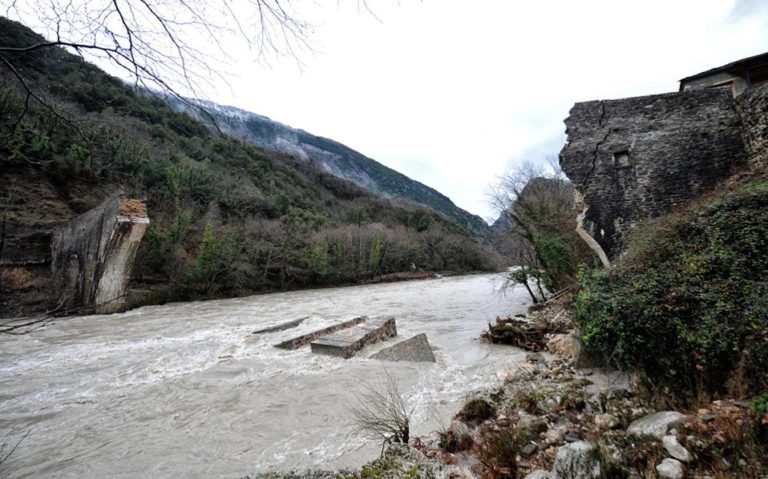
305 339
345 344
282 327
415 349
93 255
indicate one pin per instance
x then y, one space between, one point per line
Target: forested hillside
334 158
226 217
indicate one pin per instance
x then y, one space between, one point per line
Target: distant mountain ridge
337 159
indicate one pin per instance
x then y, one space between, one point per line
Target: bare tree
536 205
383 411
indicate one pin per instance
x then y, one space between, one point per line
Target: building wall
753 110
637 158
736 83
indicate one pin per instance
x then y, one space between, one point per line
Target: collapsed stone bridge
93 255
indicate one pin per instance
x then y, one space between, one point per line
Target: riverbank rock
577 460
670 469
540 474
674 449
657 424
415 349
607 421
564 345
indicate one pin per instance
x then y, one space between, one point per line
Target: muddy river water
184 390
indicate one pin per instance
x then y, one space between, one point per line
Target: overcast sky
452 93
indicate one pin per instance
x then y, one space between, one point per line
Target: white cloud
451 92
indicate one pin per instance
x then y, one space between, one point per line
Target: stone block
347 343
657 424
304 339
415 349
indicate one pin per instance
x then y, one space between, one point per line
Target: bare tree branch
161 39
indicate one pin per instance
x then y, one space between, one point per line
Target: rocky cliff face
338 160
643 157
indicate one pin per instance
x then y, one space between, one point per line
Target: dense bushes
272 254
687 307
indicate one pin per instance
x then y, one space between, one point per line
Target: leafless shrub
499 454
383 412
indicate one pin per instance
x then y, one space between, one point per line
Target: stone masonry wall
92 255
752 106
642 157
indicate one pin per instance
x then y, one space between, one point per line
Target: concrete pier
345 344
93 255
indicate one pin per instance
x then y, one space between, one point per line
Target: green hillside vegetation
226 217
347 162
391 182
687 307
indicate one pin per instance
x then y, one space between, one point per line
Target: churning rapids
184 390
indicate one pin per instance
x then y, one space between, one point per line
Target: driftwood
531 336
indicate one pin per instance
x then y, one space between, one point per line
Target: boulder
670 469
607 421
564 345
577 460
674 449
415 349
539 474
555 434
657 424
